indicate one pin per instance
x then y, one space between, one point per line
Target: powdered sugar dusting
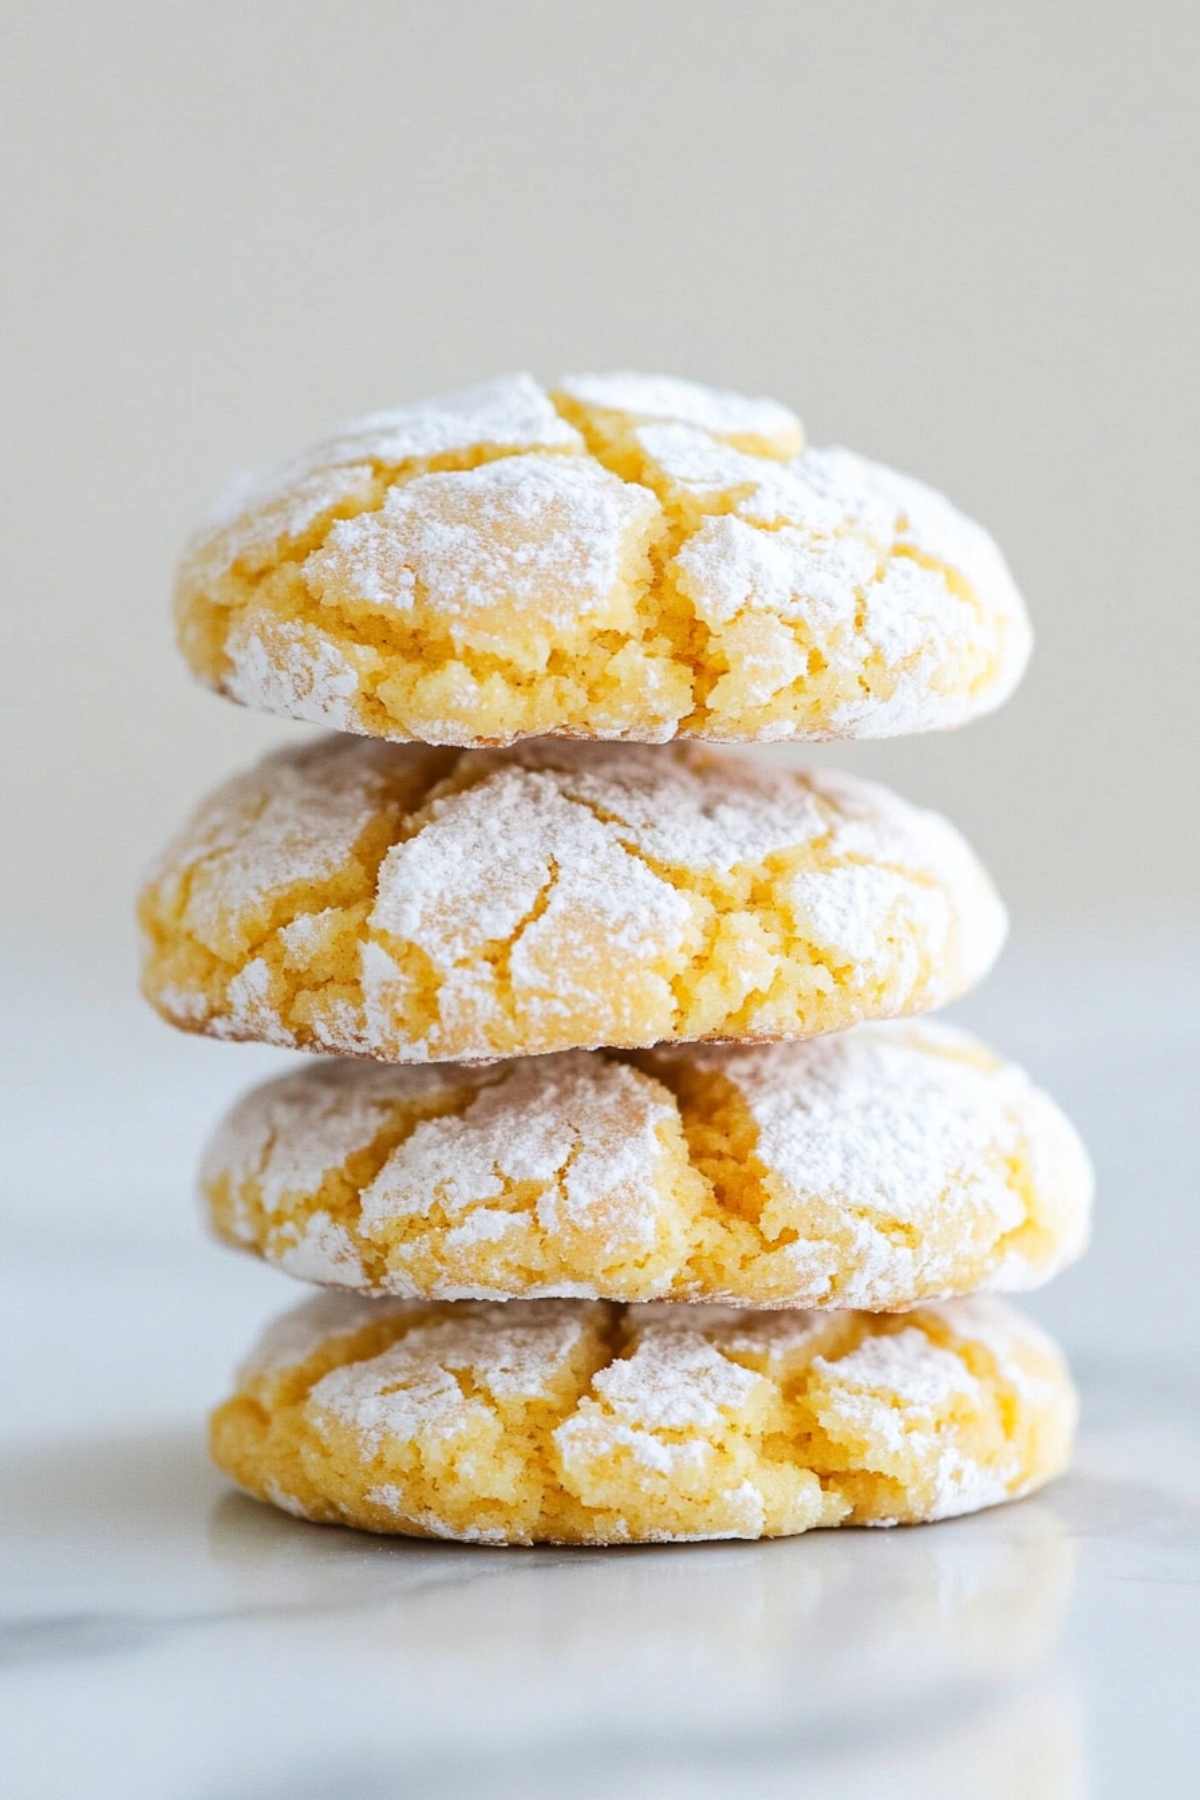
903 1367
288 1137
557 858
900 1394
250 1013
515 1354
281 667
543 536
295 1336
896 1161
888 505
323 1251
265 513
675 1380
579 1129
388 1495
728 565
885 1114
877 572
937 880
510 413
295 818
724 414
280 503
1020 1349
777 1343
688 809
894 1125
689 462
872 921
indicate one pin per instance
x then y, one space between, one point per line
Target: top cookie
624 557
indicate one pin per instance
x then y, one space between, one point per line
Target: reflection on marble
203 1645
907 1612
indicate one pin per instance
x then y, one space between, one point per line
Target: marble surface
165 1637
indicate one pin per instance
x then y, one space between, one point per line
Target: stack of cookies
645 1205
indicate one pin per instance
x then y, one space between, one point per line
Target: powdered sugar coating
273 510
421 907
277 508
874 1114
675 1379
280 667
282 825
517 1354
630 557
321 1251
706 815
690 466
546 535
876 1168
296 1336
509 413
868 566
725 415
308 1125
583 1131
430 891
571 1421
897 1390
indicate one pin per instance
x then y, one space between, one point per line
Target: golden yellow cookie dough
584 1422
624 557
875 1168
424 905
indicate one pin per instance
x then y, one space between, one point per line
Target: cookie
627 557
876 1168
430 905
584 1422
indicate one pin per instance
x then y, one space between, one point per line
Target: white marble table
166 1638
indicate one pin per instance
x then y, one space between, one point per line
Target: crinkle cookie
876 1168
428 905
627 557
583 1422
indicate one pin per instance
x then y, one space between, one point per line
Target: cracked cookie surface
575 1421
876 1168
424 905
623 557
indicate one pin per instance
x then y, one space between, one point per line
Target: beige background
959 237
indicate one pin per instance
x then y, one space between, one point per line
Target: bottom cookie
585 1422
